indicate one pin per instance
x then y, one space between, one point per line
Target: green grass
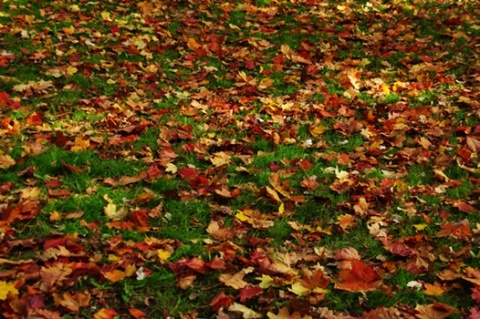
184 73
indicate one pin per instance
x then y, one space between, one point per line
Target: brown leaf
73 302
254 218
218 232
236 280
433 311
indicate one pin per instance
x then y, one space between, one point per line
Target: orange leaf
434 290
136 313
309 182
361 277
345 221
114 275
105 313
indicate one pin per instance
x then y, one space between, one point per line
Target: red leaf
249 65
221 300
475 293
474 313
188 173
249 292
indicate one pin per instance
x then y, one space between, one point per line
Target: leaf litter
334 142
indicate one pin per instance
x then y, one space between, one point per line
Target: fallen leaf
247 313
105 313
433 311
433 290
6 161
7 288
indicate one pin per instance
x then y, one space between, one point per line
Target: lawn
240 159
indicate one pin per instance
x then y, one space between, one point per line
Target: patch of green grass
148 139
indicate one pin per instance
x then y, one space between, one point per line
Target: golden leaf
6 288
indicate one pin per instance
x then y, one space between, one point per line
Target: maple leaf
473 143
53 275
254 218
219 159
249 292
6 161
309 182
163 254
271 193
7 288
474 313
284 313
433 290
475 293
105 313
186 281
137 313
267 281
345 221
433 311
236 280
25 209
221 300
247 313
276 184
73 302
218 232
111 210
360 277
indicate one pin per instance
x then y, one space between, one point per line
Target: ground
239 159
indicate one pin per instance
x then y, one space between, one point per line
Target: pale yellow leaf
171 168
246 312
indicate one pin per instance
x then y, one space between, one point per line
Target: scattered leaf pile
239 159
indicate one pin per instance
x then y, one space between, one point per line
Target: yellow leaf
317 130
281 209
75 8
71 70
420 226
6 288
220 159
6 161
171 168
241 216
105 15
273 194
69 30
246 312
111 211
299 289
30 192
163 254
266 281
